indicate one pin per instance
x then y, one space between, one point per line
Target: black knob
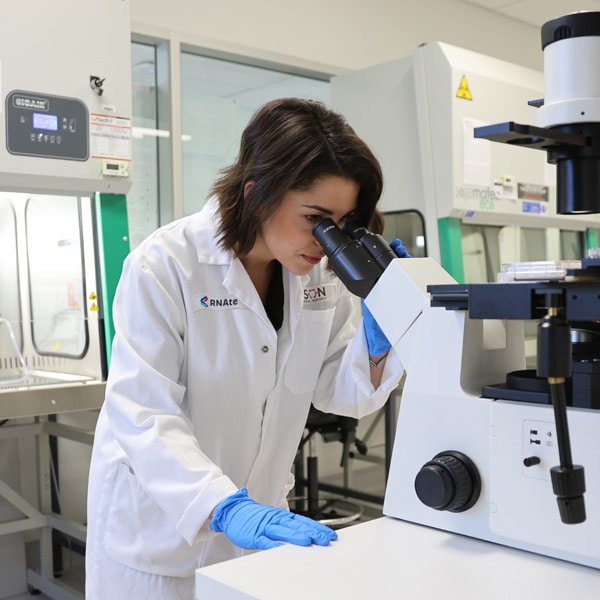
449 481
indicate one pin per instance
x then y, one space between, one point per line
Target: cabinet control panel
46 126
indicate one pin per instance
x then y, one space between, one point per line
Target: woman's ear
247 187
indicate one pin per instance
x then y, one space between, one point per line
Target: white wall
336 35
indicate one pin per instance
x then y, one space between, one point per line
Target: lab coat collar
238 283
296 300
209 252
208 249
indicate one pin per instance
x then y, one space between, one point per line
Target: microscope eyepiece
374 244
331 238
348 259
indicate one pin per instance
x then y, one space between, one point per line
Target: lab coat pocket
141 535
308 351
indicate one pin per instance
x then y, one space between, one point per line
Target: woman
228 325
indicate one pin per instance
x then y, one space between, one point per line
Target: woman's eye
314 218
347 219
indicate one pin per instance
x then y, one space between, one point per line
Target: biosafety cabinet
483 204
65 169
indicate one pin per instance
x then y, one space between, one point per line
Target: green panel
451 247
591 239
113 241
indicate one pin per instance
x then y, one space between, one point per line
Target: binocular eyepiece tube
374 244
358 257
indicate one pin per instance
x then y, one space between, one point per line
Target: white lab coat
204 397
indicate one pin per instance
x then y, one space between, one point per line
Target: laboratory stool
327 509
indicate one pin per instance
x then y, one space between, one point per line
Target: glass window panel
481 249
56 278
408 226
572 245
143 198
481 252
218 99
10 306
533 244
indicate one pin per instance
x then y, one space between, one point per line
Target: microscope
486 447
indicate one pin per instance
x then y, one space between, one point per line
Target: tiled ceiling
536 12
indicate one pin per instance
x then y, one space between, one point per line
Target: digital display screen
45 121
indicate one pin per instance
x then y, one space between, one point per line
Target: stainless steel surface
44 398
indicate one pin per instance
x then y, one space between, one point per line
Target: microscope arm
398 298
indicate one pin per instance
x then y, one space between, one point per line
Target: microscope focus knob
449 481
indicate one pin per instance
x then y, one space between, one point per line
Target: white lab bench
388 558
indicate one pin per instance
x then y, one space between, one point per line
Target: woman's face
287 236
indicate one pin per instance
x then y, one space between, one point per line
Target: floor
73 575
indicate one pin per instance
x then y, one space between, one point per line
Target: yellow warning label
463 89
94 307
93 296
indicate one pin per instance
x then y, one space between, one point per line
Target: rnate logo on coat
320 293
203 302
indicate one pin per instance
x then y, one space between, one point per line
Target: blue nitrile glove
376 340
377 343
398 247
255 526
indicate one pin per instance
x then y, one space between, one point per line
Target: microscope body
470 456
479 436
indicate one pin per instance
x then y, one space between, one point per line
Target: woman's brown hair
287 145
